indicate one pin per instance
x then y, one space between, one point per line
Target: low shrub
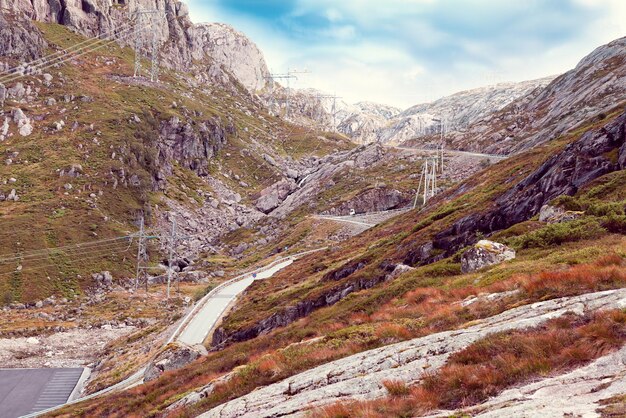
559 233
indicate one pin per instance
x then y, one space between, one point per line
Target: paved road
24 391
365 220
491 157
202 326
208 316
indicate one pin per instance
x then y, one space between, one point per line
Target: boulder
173 357
485 253
274 195
553 214
103 279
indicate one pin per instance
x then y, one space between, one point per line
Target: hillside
507 282
593 88
403 280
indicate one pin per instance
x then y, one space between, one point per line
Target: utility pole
140 252
170 261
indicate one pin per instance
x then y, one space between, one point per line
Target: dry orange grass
499 361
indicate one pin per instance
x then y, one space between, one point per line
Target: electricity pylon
427 186
144 19
334 107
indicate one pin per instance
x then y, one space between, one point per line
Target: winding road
198 323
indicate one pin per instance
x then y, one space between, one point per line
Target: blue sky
404 52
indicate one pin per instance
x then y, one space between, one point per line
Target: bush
556 234
615 224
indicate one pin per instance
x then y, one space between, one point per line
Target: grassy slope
415 304
49 216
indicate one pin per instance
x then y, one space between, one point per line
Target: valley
205 243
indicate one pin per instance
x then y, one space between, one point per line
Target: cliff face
596 85
207 49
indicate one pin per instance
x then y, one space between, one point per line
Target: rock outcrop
485 253
173 357
578 164
212 51
361 376
552 214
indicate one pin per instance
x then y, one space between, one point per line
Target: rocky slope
212 51
367 122
593 88
361 376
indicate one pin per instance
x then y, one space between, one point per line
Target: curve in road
208 316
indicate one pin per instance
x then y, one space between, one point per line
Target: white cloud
424 59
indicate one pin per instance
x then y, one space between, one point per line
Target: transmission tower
143 19
141 254
334 97
154 73
139 19
442 141
170 261
427 186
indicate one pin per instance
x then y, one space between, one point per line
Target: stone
13 196
553 214
32 341
173 357
39 304
485 253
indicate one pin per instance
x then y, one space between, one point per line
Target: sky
405 52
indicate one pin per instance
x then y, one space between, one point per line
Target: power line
88 257
59 54
87 244
71 56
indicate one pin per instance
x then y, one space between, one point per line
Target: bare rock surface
360 376
173 357
573 394
72 348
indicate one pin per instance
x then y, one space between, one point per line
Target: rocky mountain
207 49
456 112
594 88
507 282
367 122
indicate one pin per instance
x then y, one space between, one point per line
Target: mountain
434 310
457 111
505 284
596 86
368 122
204 49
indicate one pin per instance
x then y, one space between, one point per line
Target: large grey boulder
485 253
173 357
553 214
274 195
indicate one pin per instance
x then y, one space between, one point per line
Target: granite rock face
214 51
361 376
591 90
173 357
